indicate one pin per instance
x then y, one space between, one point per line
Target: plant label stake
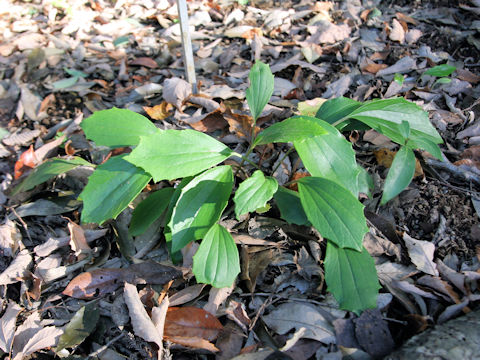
187 44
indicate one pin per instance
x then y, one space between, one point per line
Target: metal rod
187 45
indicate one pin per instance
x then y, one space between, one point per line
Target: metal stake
187 45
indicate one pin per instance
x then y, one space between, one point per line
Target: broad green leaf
386 116
149 210
48 170
200 205
400 174
440 70
111 187
216 261
65 83
404 129
365 182
290 206
253 193
335 109
330 156
83 322
292 129
425 144
173 154
167 232
117 127
351 277
333 211
261 88
442 81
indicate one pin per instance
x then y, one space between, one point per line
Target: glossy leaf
440 70
80 326
174 154
330 156
387 115
400 174
254 193
425 144
333 211
149 210
292 129
335 109
48 170
216 261
290 206
261 88
117 127
351 277
200 205
111 187
365 182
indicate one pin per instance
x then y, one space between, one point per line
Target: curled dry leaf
78 242
26 160
421 254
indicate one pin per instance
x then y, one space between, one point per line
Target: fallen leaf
217 297
7 326
95 283
44 338
26 160
10 238
141 322
421 253
397 32
144 61
293 315
175 91
21 138
159 112
18 268
78 242
185 295
191 322
374 68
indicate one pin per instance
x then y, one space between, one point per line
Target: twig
105 347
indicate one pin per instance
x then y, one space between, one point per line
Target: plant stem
281 160
246 159
339 121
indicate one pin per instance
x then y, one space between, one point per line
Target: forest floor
61 61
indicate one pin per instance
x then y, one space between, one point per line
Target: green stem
339 121
246 159
281 161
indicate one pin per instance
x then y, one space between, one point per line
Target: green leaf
73 72
80 326
117 127
122 40
351 277
292 129
442 81
173 154
386 116
440 70
253 193
334 211
404 129
48 170
200 205
399 78
111 187
425 144
290 206
335 109
330 156
65 83
365 182
261 88
149 210
216 261
400 174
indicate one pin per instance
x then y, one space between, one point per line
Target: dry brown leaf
191 322
159 112
216 298
405 18
10 238
421 253
185 295
26 160
467 75
397 32
78 242
95 283
193 342
374 68
44 338
144 61
18 268
175 91
141 322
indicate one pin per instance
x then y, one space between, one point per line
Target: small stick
187 44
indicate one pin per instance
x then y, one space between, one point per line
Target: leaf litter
62 61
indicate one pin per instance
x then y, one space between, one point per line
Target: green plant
441 72
328 199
